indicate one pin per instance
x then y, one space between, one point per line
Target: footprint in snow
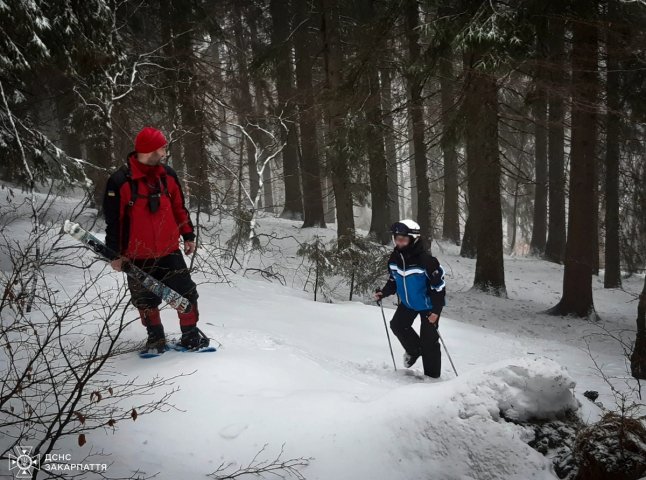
233 431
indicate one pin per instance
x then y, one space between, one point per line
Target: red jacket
132 229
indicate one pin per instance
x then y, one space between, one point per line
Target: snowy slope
318 377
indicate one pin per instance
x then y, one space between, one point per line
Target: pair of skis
167 294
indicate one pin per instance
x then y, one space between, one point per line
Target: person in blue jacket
418 279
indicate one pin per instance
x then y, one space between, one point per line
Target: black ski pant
425 344
172 271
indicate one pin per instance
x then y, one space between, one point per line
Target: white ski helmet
406 227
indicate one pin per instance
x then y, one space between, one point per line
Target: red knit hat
149 140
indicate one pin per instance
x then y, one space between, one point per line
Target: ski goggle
399 228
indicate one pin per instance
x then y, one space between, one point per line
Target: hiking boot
409 360
192 338
156 338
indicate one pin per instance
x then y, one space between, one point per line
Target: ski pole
447 352
387 334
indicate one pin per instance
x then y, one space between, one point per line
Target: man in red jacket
145 215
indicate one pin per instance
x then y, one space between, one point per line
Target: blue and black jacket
417 277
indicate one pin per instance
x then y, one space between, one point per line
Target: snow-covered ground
318 378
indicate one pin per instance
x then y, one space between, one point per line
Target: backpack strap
164 182
133 185
169 172
124 175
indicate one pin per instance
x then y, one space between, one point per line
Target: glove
379 295
433 318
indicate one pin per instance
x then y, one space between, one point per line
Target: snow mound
523 390
459 429
280 382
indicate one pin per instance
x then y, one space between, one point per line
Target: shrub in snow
555 439
612 448
361 264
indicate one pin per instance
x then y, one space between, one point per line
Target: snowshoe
192 339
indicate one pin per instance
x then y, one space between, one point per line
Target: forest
505 129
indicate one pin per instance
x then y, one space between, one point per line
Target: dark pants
426 344
172 271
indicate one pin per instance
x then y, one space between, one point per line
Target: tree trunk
268 189
579 249
451 219
260 137
171 93
472 145
612 277
370 38
449 140
513 220
638 357
468 248
224 181
389 139
329 203
338 167
228 182
96 155
482 123
412 177
65 104
380 216
192 113
555 246
594 227
304 47
414 80
192 122
194 155
243 102
280 38
539 109
260 114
